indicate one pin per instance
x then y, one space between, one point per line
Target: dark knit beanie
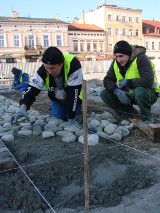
122 47
15 71
52 55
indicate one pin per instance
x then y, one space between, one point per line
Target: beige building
24 39
87 41
119 24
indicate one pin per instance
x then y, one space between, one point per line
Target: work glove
60 94
122 96
122 84
73 122
21 112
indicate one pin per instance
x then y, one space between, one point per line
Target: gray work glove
21 112
122 96
60 94
122 84
74 123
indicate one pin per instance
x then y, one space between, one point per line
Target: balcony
33 50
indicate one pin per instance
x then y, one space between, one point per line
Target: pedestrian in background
21 79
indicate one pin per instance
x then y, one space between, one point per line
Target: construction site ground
124 177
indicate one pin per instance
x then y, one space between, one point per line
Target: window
130 32
109 17
153 45
124 18
31 41
137 19
117 31
2 41
117 17
81 46
137 32
157 30
59 40
123 32
147 30
130 19
109 31
110 49
45 40
16 41
147 45
101 45
75 45
88 46
95 46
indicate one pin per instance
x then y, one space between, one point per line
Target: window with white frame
130 19
137 32
109 31
95 46
88 46
16 41
153 45
147 45
109 17
157 30
31 41
45 40
130 32
123 32
117 31
117 17
147 30
75 45
124 18
2 41
110 47
101 46
137 19
81 45
59 40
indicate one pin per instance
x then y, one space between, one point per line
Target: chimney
57 16
15 14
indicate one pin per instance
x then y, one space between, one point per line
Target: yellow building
119 24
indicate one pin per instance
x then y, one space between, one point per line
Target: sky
73 8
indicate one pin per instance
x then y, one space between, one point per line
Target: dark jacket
71 87
144 66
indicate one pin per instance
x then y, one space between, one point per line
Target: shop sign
8 55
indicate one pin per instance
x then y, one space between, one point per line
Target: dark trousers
140 96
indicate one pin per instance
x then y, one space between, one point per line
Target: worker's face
53 69
122 59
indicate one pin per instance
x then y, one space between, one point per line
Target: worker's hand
122 84
60 94
122 96
21 112
74 123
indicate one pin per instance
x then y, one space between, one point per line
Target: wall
89 67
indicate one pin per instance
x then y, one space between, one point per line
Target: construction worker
21 79
61 74
131 80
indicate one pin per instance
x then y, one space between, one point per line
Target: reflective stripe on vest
67 60
131 75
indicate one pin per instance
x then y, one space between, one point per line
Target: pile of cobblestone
104 125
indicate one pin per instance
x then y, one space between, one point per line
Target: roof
30 20
84 27
152 25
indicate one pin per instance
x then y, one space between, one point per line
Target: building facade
119 24
24 39
87 41
151 38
